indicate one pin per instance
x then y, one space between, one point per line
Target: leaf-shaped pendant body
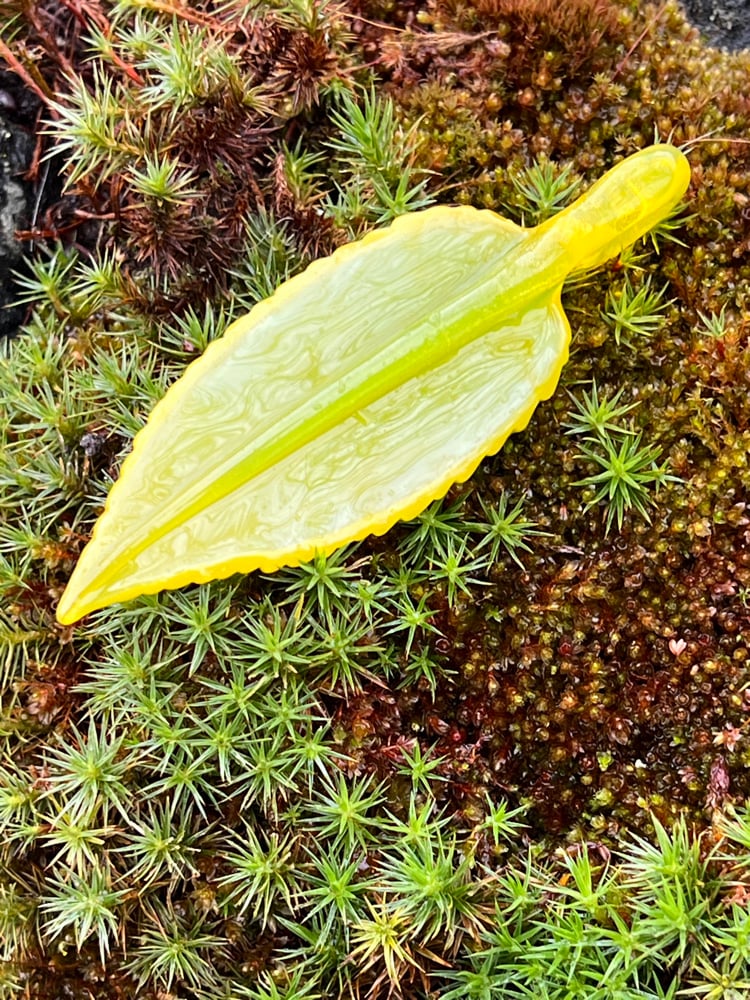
359 392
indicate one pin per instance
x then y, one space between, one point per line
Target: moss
607 645
278 767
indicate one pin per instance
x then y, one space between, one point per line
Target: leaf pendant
359 392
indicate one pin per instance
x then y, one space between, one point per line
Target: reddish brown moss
609 680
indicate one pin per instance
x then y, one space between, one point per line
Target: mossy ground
629 648
246 733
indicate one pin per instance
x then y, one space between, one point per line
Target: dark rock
724 23
16 150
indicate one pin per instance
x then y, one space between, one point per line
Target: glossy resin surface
359 392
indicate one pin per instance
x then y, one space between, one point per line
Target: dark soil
725 24
18 117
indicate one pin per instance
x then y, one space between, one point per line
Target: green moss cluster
417 765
